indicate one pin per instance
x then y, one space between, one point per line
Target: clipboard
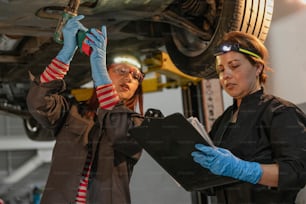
170 141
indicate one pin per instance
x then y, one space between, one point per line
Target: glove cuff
101 80
252 172
65 55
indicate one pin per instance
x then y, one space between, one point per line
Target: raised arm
44 102
105 90
59 66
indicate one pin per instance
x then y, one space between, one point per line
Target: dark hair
252 43
92 103
137 99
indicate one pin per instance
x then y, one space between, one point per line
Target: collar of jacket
250 99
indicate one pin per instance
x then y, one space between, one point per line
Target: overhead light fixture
303 1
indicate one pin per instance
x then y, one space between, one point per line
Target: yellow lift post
161 64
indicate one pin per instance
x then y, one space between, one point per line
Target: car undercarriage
187 29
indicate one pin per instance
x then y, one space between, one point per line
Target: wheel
35 131
193 55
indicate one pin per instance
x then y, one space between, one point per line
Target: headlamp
227 47
127 58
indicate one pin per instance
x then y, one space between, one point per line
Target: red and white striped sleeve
107 96
55 70
81 196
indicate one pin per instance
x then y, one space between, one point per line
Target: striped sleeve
55 70
81 196
107 96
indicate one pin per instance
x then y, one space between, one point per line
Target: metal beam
41 157
23 143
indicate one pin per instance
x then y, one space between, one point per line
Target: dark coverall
268 130
115 153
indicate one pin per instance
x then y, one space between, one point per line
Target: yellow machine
160 64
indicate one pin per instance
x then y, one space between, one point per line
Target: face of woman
125 78
237 75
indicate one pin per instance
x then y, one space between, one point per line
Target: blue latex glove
222 162
97 41
70 41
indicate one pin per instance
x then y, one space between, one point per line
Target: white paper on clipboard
201 129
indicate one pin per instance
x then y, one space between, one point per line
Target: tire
35 131
196 58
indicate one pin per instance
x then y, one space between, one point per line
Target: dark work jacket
268 130
115 153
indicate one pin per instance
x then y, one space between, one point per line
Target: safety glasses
227 47
124 70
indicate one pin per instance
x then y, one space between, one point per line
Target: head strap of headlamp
227 47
